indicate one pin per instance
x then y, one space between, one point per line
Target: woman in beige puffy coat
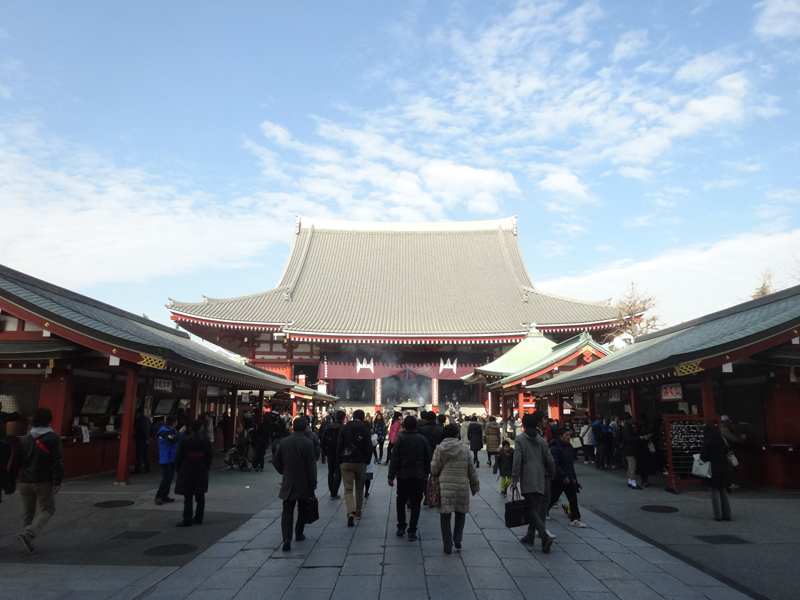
452 464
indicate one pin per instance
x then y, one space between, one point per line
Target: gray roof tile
352 278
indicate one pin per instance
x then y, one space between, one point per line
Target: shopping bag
701 468
732 460
516 512
434 494
311 513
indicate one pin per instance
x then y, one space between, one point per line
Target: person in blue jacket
168 439
565 480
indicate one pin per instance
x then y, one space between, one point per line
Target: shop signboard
671 391
615 395
162 385
212 391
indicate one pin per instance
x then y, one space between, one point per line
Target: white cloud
785 194
723 184
562 180
707 67
629 45
692 281
639 221
747 166
778 19
636 173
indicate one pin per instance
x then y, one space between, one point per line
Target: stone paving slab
369 561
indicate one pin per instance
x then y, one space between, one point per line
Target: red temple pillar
260 406
634 403
707 394
234 392
55 393
126 449
294 405
521 403
555 409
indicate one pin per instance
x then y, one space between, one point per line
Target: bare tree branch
631 313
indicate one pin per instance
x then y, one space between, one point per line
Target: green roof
557 353
534 347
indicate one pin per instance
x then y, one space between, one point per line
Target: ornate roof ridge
508 223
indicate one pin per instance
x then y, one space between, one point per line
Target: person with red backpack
40 458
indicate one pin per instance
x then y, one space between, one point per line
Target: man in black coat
329 437
431 430
193 462
40 457
354 451
410 463
295 460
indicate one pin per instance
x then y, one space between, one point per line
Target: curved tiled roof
110 324
402 279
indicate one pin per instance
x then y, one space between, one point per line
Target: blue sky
150 150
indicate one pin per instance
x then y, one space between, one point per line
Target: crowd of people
444 447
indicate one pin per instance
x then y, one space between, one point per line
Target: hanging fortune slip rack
349 365
684 438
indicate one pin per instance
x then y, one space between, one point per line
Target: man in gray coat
532 464
296 461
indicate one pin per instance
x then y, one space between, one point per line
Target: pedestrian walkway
369 561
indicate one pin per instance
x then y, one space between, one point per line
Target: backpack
330 437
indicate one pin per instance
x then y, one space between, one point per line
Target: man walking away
599 443
431 429
142 432
566 480
40 457
168 439
354 451
410 464
193 462
532 463
296 462
330 438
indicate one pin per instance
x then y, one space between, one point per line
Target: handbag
434 492
652 447
701 468
732 460
516 512
311 512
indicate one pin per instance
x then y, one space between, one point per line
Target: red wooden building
380 313
93 364
740 362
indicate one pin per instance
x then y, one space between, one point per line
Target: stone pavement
369 561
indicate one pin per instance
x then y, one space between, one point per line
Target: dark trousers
475 456
142 456
599 456
571 490
287 518
334 474
380 446
533 502
409 489
449 537
258 459
167 473
187 507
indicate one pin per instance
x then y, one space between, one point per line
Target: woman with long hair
394 429
715 451
379 430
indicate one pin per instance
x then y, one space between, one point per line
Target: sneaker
158 501
586 462
549 534
25 543
351 520
357 516
336 497
412 536
635 487
577 523
401 531
504 494
546 545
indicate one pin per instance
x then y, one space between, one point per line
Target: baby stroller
238 455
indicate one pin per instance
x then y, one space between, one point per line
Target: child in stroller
239 454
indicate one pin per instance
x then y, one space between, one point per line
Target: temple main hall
380 313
